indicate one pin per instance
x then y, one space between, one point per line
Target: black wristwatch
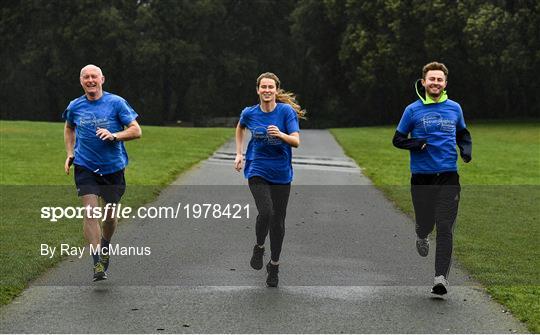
115 139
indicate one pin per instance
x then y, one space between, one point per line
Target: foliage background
351 62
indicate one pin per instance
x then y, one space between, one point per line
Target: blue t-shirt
266 156
437 123
111 112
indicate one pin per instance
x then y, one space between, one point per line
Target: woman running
274 130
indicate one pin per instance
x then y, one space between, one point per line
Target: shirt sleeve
67 115
126 113
244 118
461 121
405 124
292 121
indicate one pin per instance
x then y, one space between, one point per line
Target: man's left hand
104 134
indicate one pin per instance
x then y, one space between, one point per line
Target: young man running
436 125
96 125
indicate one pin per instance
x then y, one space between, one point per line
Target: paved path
348 265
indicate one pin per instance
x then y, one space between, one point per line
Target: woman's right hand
239 162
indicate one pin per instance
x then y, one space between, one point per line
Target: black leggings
436 198
271 201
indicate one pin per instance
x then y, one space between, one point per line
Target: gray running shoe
256 261
272 279
99 272
105 259
422 246
440 285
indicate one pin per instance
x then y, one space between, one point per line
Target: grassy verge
498 231
31 176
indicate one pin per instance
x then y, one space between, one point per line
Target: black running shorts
110 187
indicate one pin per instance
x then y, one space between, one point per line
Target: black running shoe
99 272
257 258
272 279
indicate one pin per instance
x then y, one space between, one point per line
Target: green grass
32 176
498 231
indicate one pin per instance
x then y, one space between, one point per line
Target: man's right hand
68 163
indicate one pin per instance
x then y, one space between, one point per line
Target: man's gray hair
91 66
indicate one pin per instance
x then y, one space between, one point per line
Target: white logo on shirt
433 122
261 134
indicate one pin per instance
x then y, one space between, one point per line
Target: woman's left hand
274 131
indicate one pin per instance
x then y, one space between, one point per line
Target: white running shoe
440 285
